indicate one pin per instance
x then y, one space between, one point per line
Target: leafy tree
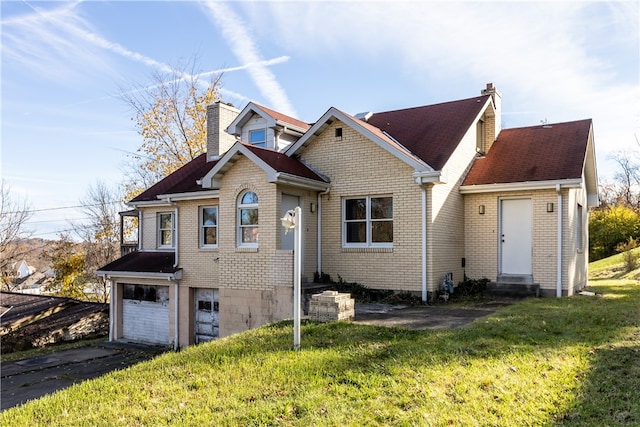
100 235
14 213
69 264
610 226
170 115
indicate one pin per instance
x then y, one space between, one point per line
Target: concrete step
513 289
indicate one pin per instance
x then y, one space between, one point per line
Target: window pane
248 216
355 209
250 235
209 216
165 221
210 236
257 136
165 238
382 208
382 231
356 232
250 198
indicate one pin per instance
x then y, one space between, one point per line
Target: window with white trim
258 137
166 230
248 219
209 227
367 221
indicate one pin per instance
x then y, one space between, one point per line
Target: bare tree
14 213
100 235
626 189
170 115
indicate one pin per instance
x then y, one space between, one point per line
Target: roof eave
109 274
428 177
520 186
298 181
193 195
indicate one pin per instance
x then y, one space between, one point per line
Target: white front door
206 315
288 202
516 236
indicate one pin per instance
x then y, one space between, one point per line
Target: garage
145 313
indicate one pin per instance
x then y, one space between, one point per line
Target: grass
557 362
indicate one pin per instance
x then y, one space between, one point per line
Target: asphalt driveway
33 378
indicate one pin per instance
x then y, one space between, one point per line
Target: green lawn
570 362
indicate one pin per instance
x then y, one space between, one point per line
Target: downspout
424 243
176 345
139 230
176 285
319 261
559 261
112 308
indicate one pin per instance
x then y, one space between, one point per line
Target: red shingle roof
283 163
431 132
182 180
284 118
536 153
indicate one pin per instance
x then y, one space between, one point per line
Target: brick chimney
493 124
219 117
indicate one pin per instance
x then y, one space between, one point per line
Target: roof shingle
536 153
431 132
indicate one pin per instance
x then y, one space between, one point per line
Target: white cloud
243 47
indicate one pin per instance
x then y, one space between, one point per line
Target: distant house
23 270
392 200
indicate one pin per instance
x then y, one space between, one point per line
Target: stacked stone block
330 306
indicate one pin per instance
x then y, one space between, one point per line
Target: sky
65 127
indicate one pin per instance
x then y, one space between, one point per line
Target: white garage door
145 313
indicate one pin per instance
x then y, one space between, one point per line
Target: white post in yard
297 271
293 220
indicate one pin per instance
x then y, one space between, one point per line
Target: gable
279 168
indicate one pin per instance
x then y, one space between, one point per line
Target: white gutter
139 275
424 244
559 261
194 195
521 186
319 239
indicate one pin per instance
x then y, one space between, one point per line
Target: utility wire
65 207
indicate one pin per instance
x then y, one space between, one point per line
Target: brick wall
482 237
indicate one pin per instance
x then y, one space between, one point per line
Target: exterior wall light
549 207
481 209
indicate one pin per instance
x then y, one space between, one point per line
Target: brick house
391 200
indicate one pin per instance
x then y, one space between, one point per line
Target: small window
166 230
480 145
368 221
258 137
338 132
209 227
248 219
149 293
579 228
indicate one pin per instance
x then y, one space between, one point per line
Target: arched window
248 219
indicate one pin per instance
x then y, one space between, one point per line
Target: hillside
571 361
